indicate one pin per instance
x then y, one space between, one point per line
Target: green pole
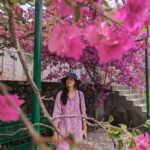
147 78
37 63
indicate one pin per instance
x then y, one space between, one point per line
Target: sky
111 3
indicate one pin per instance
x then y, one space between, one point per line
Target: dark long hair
65 92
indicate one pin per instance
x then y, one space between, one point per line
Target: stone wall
123 111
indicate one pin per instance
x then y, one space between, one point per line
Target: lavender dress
72 108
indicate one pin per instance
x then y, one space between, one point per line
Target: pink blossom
18 10
110 45
134 13
80 1
113 47
68 9
7 112
19 34
65 41
2 31
96 32
142 142
147 22
85 11
74 48
65 9
55 36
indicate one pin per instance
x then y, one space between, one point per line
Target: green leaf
123 126
67 2
134 133
22 2
147 122
24 20
111 119
114 133
6 4
120 143
146 126
132 143
48 3
77 14
74 147
138 131
13 1
105 3
77 11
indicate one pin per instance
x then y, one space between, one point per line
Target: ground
100 140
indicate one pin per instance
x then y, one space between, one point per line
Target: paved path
100 140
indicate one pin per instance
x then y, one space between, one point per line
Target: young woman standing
70 101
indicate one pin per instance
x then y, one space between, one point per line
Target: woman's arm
83 107
84 124
57 110
56 113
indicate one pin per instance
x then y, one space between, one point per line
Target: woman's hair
64 95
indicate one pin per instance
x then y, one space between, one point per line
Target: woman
70 102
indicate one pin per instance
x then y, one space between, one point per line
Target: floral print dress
69 125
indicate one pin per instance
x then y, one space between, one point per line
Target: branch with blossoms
17 46
12 104
30 80
85 13
121 135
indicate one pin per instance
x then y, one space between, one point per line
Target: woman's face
70 82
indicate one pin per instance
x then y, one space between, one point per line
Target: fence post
147 77
37 63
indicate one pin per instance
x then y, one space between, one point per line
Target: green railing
14 137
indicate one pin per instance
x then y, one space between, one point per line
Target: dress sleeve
57 110
83 107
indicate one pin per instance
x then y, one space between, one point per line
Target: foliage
126 138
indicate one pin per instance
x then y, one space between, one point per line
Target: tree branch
24 65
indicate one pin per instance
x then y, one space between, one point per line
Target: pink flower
147 22
74 48
134 13
18 9
96 32
110 45
64 8
19 34
2 30
55 36
65 41
113 47
142 142
85 11
67 9
80 1
7 112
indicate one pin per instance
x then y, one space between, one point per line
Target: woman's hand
85 133
55 137
84 129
